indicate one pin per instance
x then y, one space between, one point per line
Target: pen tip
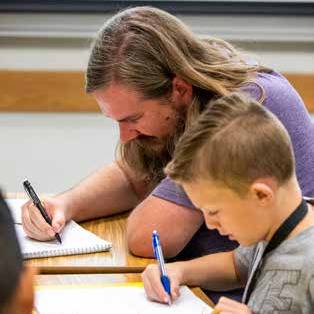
169 300
58 238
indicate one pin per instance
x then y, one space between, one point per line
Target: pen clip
155 240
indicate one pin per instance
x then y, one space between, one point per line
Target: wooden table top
112 229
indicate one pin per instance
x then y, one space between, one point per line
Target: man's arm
106 192
176 226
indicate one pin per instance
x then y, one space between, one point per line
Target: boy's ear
24 297
182 91
263 192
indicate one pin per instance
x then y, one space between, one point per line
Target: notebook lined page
75 239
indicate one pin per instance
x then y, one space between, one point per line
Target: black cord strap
280 235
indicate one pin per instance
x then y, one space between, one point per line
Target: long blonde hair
144 48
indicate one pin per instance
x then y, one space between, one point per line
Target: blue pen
160 258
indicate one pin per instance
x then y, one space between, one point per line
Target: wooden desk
112 229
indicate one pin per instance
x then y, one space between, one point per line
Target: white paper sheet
113 299
15 207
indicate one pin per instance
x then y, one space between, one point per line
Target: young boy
16 279
236 164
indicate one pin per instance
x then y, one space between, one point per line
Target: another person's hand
153 286
226 305
34 223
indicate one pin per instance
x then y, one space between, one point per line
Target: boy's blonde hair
234 141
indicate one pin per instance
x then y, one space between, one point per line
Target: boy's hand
226 305
153 286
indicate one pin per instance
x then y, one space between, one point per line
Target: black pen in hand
36 201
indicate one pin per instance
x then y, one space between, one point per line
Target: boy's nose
212 223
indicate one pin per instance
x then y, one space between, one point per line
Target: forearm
214 272
106 192
157 214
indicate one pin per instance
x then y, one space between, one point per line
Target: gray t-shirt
286 280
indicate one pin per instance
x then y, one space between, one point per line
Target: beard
147 156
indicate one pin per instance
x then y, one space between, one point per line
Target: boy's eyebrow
212 212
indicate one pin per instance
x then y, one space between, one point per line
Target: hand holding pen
43 213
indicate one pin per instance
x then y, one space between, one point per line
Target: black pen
36 201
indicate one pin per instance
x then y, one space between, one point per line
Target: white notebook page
112 299
75 239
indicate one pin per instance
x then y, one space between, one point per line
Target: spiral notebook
75 239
